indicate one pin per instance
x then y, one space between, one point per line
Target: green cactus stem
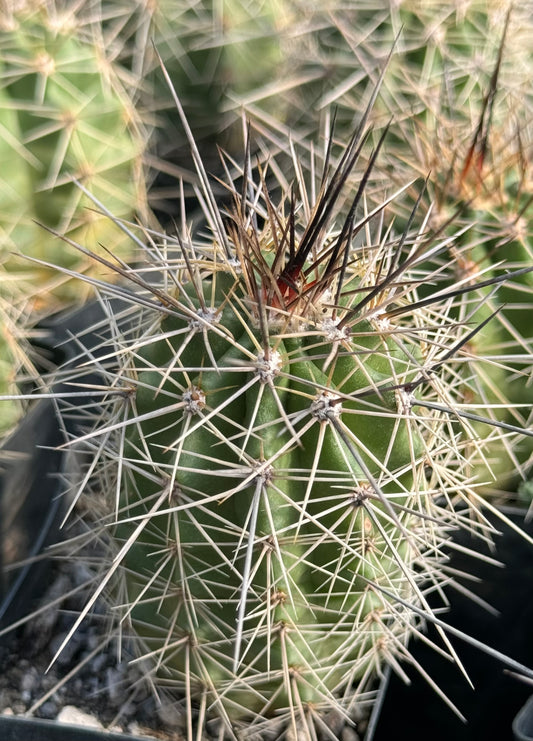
282 451
65 115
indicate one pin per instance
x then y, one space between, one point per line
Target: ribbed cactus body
65 115
266 451
273 489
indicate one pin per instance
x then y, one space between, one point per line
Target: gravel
91 682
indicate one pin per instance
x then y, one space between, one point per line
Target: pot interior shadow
415 711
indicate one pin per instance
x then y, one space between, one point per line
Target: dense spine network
300 405
285 448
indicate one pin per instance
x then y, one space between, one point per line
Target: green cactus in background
65 114
215 53
281 452
470 128
274 63
15 361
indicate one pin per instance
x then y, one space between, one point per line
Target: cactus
477 156
276 64
14 361
64 115
215 53
285 437
279 458
457 87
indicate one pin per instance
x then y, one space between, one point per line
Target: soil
90 683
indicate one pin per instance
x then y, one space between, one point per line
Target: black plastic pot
523 723
416 712
31 465
30 508
34 729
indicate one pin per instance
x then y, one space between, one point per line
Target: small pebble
48 710
113 679
29 682
74 716
170 715
349 734
67 653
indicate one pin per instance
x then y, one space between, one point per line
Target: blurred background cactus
459 91
65 114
